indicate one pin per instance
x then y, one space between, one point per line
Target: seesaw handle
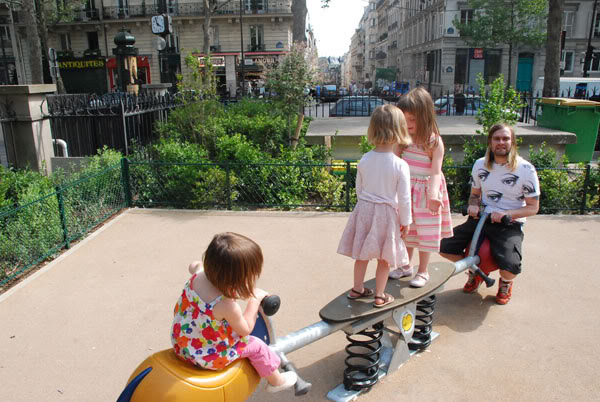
489 282
270 304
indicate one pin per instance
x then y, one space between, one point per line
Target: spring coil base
362 363
423 324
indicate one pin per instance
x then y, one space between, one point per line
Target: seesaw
380 341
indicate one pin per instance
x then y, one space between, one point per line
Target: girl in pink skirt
382 213
431 219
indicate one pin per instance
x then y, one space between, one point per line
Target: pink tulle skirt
373 232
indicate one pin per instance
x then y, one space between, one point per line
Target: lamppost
126 55
242 61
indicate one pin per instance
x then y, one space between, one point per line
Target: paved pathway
77 329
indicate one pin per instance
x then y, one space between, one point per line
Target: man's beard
501 151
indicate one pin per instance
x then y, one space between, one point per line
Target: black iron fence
81 123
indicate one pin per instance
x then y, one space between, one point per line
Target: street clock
162 24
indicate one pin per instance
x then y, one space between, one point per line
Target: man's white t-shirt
503 189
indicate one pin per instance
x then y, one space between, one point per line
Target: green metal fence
34 232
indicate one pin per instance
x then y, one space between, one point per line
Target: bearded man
503 183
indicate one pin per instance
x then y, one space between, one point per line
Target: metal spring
362 362
423 324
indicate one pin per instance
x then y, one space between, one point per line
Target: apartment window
466 16
597 26
255 6
566 60
165 6
372 38
432 26
256 38
5 33
372 22
92 38
595 65
493 61
567 22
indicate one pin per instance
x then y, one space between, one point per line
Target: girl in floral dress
430 205
210 330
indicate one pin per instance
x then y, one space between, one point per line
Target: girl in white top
383 211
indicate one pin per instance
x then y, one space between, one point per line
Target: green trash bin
577 116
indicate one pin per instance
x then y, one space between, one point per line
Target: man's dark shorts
505 242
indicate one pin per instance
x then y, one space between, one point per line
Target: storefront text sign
79 64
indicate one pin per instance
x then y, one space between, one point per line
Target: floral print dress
198 337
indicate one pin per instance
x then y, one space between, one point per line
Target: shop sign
216 61
261 60
478 53
81 64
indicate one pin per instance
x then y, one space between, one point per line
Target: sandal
366 293
387 299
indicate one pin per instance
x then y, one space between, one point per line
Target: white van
572 87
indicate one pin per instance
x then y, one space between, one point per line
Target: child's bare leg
381 277
410 251
360 269
275 379
423 261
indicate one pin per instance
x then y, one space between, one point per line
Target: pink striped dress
427 230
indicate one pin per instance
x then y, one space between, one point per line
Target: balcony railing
189 10
257 48
87 15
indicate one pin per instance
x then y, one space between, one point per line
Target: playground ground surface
78 327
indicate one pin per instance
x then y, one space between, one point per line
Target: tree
299 11
514 23
553 48
37 15
210 8
289 79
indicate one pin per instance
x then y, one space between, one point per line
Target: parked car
355 106
472 105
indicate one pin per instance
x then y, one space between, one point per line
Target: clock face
158 24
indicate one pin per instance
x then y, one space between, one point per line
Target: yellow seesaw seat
172 379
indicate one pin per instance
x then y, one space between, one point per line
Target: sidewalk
76 330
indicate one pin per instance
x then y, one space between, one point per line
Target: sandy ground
76 330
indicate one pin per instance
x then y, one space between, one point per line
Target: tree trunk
296 137
206 26
510 52
299 11
33 42
552 63
43 31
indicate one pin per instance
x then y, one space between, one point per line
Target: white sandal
420 279
401 272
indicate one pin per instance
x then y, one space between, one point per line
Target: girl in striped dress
430 205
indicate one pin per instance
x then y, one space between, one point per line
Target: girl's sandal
366 293
387 299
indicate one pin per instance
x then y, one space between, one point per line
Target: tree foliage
289 80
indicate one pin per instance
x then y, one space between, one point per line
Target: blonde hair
388 126
511 159
418 102
233 263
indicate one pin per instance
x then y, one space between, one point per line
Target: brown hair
388 126
511 159
233 263
418 102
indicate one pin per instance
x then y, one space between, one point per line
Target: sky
334 26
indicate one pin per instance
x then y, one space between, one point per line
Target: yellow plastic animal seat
172 379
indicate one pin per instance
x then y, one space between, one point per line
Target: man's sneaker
472 283
504 291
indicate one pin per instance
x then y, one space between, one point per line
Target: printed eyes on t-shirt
509 179
494 196
528 187
483 174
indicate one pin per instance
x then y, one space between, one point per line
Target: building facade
418 39
85 45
